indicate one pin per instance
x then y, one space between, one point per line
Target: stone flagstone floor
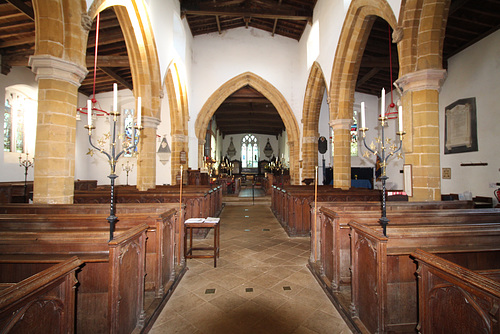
261 284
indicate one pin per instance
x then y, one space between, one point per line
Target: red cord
95 55
392 105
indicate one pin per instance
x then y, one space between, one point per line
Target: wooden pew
110 295
454 299
332 243
291 205
161 245
200 201
42 303
165 263
384 288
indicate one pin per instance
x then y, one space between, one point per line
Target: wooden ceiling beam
238 13
28 38
117 77
22 7
367 76
108 61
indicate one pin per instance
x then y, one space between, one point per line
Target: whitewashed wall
474 72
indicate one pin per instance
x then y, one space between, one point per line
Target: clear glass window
249 152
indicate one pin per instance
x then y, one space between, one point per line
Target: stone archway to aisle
273 95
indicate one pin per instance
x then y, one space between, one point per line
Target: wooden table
192 223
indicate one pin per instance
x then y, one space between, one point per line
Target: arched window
129 130
354 135
18 108
249 152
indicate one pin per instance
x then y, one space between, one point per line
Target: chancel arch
353 38
316 86
272 94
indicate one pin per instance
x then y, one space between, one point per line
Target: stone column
309 156
146 162
179 144
341 153
421 123
58 82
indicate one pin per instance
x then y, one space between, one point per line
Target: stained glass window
129 131
249 152
354 135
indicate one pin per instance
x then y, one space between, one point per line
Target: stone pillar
341 153
146 162
54 172
201 152
179 144
421 123
309 156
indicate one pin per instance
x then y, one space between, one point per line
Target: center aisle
261 284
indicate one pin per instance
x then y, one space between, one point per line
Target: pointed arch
352 41
272 94
145 68
175 84
353 38
316 86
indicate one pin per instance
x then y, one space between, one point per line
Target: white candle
400 118
115 97
139 120
382 103
362 114
89 112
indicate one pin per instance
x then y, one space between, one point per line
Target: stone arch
271 93
315 90
145 68
175 84
353 38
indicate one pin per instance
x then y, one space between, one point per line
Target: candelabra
127 168
26 163
113 156
383 153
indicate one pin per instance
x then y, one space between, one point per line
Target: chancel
291 166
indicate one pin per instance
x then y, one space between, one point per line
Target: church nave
261 283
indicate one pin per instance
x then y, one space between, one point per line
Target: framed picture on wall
460 128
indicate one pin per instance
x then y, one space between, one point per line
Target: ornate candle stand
26 163
381 154
113 156
127 168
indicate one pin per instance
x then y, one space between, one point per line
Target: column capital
339 124
50 67
430 79
150 122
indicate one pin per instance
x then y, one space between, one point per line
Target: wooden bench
291 205
160 252
454 299
41 303
332 244
384 287
199 200
110 295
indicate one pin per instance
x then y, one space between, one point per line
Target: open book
194 220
